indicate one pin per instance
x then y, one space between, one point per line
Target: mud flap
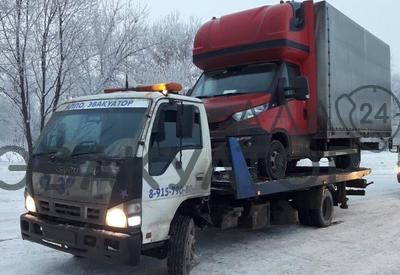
259 216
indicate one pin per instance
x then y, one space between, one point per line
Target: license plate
59 236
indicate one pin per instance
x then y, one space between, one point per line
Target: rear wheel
323 216
181 246
304 217
348 162
277 160
320 217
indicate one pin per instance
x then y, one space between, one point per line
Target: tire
277 160
181 246
304 217
323 216
348 162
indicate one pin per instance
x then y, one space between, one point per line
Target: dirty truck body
297 80
126 174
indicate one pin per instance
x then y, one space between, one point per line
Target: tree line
51 50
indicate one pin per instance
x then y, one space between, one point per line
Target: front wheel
277 160
181 246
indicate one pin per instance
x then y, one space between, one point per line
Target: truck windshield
235 81
111 133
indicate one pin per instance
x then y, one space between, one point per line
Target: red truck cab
259 83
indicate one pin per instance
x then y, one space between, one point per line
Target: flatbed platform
242 185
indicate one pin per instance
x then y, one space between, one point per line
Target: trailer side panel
349 58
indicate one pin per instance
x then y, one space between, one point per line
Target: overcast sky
382 17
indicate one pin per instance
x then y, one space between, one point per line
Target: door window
164 144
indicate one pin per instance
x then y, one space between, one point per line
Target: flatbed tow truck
130 173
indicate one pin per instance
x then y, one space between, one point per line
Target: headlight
116 217
30 204
253 112
134 221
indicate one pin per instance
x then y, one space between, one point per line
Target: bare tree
118 31
16 27
44 42
74 19
53 49
170 57
61 34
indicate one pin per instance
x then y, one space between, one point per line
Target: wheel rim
277 161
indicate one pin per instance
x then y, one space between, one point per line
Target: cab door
175 168
290 116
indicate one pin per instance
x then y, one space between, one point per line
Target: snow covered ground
363 240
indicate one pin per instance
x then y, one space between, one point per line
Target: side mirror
300 91
185 121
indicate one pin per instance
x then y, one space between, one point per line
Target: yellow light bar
172 87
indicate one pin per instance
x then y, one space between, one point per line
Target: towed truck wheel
181 255
276 163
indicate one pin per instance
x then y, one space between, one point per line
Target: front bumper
82 241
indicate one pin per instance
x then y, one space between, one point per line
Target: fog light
134 221
116 218
30 204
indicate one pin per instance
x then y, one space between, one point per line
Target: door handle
200 176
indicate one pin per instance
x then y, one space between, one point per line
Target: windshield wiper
96 156
87 154
221 95
53 155
44 154
229 94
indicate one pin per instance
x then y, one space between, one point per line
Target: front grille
44 206
70 211
67 210
92 213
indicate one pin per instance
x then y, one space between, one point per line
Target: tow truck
130 173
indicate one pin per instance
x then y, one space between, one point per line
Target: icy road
363 240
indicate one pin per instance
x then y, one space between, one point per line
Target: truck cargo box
348 59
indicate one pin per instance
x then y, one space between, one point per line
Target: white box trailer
354 77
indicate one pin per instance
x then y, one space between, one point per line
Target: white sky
381 17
